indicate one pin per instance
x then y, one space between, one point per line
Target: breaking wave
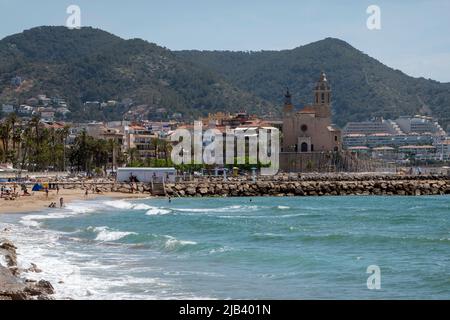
106 234
173 244
157 211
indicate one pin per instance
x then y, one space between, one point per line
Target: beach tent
37 187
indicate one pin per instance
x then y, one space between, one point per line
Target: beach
38 201
24 283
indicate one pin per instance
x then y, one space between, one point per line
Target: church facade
310 130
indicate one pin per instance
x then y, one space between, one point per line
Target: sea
240 248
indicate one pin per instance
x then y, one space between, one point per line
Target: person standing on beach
86 193
46 192
61 202
57 188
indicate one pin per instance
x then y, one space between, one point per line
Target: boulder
191 191
8 250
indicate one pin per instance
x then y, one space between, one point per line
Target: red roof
308 109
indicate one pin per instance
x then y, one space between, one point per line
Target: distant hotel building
418 137
404 131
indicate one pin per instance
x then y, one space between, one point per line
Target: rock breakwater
314 186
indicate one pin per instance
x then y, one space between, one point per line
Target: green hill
362 86
93 65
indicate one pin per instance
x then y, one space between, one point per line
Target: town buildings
417 137
309 137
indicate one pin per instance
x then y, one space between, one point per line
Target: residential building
376 126
139 138
7 108
420 125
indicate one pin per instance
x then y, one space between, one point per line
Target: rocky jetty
283 184
313 185
12 285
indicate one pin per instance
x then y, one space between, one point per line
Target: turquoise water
242 248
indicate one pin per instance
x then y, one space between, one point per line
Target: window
323 97
312 148
335 138
304 127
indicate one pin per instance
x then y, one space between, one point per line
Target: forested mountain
362 86
93 65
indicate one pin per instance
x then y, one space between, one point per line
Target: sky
413 36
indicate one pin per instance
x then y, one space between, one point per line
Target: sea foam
157 211
173 243
106 234
125 205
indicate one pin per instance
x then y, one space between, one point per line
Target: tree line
32 146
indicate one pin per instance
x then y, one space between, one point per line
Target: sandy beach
38 200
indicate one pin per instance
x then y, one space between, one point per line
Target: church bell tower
288 108
322 97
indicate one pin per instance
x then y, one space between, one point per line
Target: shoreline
15 283
281 185
39 202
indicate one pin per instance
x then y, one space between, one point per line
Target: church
310 130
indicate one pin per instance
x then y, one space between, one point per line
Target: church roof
308 109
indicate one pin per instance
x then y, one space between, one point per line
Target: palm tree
133 155
114 149
25 145
12 120
167 149
64 134
5 135
17 141
155 143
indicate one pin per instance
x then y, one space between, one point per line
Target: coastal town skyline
224 181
